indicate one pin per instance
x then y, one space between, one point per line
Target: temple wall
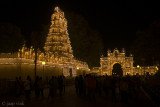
10 68
13 71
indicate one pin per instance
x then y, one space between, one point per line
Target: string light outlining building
58 51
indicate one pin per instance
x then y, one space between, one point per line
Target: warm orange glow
157 68
43 62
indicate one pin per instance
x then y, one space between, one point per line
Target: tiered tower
58 42
58 51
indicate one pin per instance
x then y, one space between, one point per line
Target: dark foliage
86 42
146 48
11 38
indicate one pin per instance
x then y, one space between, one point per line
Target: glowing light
43 62
157 68
89 69
77 67
138 66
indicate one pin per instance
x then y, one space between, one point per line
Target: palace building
117 63
57 59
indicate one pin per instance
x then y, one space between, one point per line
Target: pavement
70 99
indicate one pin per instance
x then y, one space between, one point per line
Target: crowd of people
119 88
54 85
90 86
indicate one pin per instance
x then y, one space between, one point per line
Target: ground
70 99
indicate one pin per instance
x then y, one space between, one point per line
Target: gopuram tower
58 42
58 55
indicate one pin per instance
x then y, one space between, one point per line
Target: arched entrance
117 70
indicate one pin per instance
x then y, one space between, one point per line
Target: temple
58 58
58 55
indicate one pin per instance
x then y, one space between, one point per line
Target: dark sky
117 21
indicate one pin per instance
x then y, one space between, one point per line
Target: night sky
117 21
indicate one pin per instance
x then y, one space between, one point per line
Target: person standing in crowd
64 84
76 85
41 86
84 85
37 91
19 87
99 85
124 90
106 85
46 86
117 91
60 85
80 85
113 82
91 87
27 87
51 87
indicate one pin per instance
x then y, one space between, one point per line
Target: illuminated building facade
58 51
118 58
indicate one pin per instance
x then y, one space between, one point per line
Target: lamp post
43 63
138 68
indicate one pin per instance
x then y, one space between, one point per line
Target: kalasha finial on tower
57 41
56 8
123 50
109 51
131 55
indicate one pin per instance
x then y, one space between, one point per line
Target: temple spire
58 42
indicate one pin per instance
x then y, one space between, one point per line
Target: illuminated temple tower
58 42
58 58
58 55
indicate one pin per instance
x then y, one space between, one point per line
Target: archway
117 70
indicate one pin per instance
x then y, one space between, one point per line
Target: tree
146 48
85 41
38 41
11 38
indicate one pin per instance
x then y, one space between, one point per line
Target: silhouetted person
91 87
37 91
99 85
41 86
124 89
64 84
60 85
18 86
113 82
80 85
106 85
76 85
117 90
27 87
53 86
